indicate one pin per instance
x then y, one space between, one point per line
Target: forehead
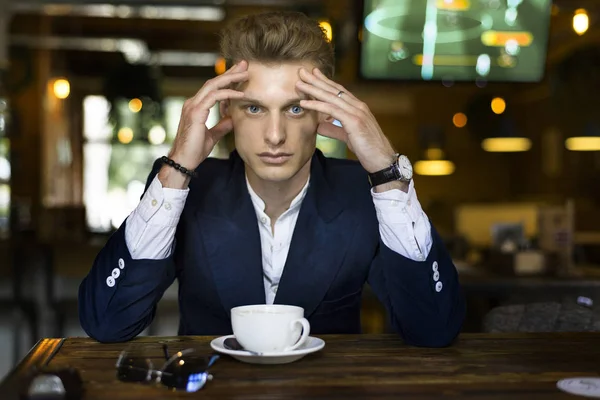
273 81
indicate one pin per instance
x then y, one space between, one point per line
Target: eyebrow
287 103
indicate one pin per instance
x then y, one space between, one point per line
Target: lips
274 158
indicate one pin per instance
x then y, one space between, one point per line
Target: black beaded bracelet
178 167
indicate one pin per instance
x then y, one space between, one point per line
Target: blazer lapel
319 244
230 234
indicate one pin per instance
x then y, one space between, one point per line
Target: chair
566 315
18 313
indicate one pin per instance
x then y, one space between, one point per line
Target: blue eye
296 109
253 109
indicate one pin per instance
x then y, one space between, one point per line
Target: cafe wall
548 172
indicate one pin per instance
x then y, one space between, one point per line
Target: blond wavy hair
277 37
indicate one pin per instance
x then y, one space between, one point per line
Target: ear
325 118
224 108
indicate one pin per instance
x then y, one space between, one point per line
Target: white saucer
583 386
313 344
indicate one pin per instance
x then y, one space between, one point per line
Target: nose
275 132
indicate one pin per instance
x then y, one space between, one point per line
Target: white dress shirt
150 229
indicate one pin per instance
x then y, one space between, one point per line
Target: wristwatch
400 170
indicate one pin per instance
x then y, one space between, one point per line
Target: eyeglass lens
185 370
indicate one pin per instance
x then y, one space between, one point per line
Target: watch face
405 168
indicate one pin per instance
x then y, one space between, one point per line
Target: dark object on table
48 384
185 370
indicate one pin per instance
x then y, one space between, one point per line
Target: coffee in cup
265 328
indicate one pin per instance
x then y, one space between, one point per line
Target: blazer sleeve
118 297
423 299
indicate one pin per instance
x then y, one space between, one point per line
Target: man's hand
194 141
360 131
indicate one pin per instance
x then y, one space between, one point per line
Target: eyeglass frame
159 373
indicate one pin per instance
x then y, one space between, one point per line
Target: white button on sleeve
110 281
121 263
434 266
438 286
150 208
436 276
116 273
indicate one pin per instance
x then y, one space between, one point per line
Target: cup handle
305 333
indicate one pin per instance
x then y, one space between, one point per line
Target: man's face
273 135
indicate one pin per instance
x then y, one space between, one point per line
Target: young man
277 222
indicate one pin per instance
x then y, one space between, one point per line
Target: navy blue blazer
335 249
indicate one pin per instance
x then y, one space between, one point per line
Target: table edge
38 357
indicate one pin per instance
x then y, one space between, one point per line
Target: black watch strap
386 175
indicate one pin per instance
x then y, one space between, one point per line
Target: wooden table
516 366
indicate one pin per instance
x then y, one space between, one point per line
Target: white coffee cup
273 328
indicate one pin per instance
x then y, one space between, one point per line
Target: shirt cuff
397 206
403 226
162 206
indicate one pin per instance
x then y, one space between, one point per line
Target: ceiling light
434 167
588 141
459 120
185 58
134 51
135 105
61 88
506 144
581 21
498 105
326 26
583 143
181 13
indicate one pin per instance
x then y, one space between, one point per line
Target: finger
338 88
325 96
329 109
213 97
220 82
222 128
307 77
239 67
224 81
321 81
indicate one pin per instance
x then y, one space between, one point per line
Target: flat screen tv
456 40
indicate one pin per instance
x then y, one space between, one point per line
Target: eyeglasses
185 370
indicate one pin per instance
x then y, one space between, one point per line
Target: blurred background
494 101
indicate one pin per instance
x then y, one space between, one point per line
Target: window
4 169
115 167
4 186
